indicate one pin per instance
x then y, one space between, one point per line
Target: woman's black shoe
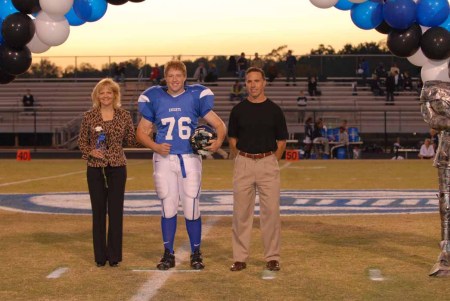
114 264
100 264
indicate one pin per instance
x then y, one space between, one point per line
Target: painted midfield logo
307 202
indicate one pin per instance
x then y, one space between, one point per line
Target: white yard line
52 177
43 178
149 289
375 275
285 165
57 273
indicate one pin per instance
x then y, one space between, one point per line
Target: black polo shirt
257 126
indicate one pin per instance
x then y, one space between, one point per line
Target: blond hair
106 83
176 65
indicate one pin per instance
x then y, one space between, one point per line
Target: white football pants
178 177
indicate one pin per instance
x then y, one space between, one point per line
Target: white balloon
418 58
52 30
324 3
435 70
357 1
36 45
56 7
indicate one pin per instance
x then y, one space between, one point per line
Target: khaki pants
262 175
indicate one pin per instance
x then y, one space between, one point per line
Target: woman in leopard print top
104 130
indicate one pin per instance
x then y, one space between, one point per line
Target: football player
174 110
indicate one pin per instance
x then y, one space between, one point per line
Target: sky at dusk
212 27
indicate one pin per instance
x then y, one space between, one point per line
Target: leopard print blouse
119 132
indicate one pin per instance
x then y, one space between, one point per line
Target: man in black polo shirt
257 136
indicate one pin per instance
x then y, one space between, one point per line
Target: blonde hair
176 65
106 83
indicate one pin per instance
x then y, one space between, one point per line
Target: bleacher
56 104
61 103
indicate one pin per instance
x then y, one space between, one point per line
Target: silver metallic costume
435 106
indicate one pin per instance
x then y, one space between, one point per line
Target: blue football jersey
175 117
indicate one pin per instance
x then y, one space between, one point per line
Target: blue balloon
446 23
432 12
367 15
82 9
7 8
344 5
400 14
90 10
73 19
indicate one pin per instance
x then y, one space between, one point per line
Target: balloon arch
416 29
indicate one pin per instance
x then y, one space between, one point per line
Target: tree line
136 67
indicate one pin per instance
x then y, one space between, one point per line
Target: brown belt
255 156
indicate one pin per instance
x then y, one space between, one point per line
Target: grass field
323 257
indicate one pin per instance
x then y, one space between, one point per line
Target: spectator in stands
272 72
359 70
427 150
390 89
342 142
242 65
434 137
344 124
318 136
396 148
380 71
257 62
237 91
212 74
364 71
103 132
155 75
398 81
116 73
308 136
312 86
301 99
200 72
291 64
119 73
232 65
28 101
394 68
407 81
375 85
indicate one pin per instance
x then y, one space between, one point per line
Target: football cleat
167 261
197 260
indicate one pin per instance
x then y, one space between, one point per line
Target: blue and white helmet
201 137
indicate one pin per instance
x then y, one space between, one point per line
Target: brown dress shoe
238 266
273 265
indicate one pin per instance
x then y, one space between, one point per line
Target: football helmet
201 137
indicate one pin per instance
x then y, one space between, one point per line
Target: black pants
107 200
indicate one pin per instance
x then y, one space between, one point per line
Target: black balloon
27 6
383 28
404 43
435 43
117 2
15 61
6 78
18 30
